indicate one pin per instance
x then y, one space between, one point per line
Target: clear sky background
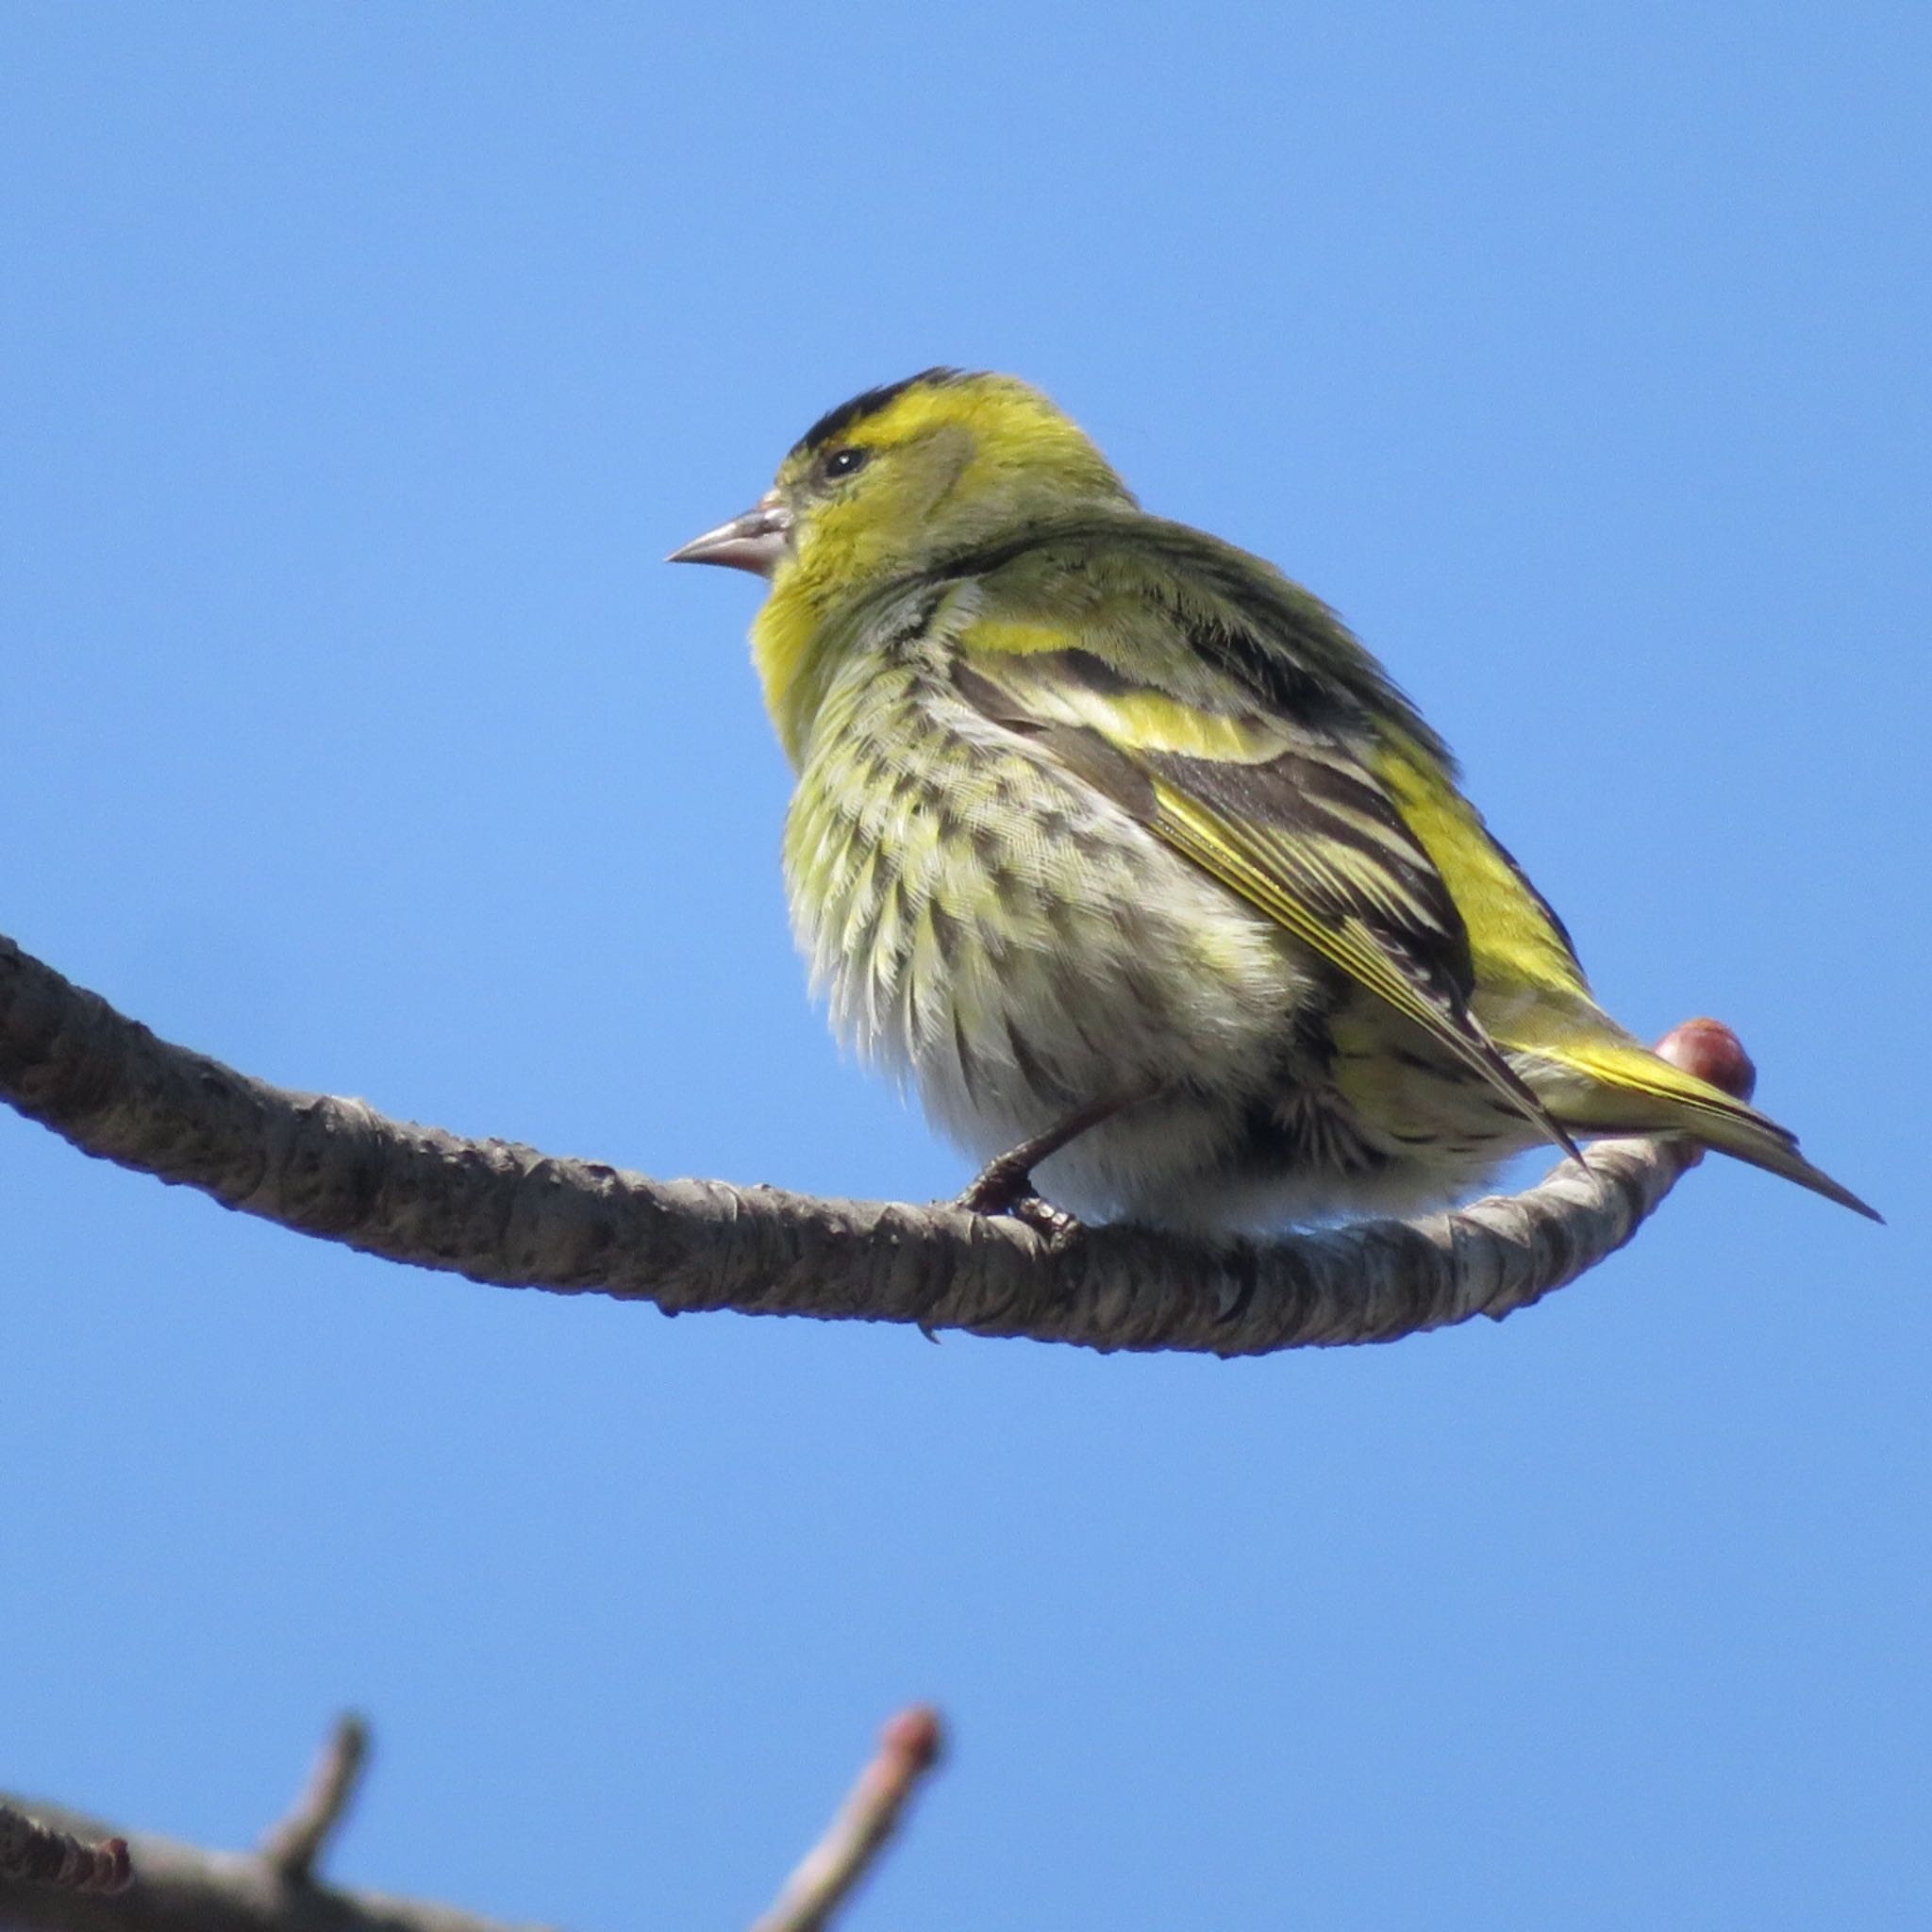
361 362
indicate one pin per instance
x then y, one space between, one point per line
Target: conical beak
754 542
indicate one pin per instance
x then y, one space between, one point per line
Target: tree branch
909 1746
37 1853
297 1842
498 1212
181 1888
69 1875
165 1886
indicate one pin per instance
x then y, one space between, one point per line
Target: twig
294 1846
909 1746
37 1855
498 1212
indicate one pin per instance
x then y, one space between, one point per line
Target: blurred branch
37 1855
294 1846
502 1214
909 1746
72 1875
165 1886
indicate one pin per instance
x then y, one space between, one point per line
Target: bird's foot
1054 1225
1001 1184
1005 1186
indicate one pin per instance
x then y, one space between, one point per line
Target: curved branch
498 1212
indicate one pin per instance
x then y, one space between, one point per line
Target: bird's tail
1630 1089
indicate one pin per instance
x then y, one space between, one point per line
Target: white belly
1018 947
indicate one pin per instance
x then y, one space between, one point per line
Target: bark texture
497 1212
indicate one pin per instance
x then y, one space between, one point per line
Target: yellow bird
1119 846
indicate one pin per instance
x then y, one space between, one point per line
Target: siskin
1118 845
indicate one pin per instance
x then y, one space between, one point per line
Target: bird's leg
1005 1185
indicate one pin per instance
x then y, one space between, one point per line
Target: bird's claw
1054 1225
1004 1186
998 1189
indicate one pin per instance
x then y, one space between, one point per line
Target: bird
1117 845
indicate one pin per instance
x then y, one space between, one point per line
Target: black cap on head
834 423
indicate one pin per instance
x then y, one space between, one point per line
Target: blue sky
363 361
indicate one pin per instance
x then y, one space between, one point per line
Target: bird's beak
754 542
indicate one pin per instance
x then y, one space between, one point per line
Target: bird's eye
847 461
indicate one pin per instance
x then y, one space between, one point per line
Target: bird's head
901 478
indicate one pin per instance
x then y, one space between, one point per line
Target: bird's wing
1282 812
